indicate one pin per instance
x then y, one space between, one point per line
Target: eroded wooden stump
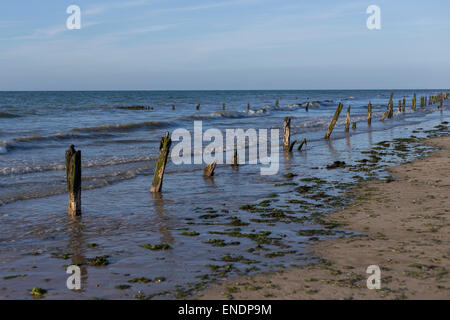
287 133
334 120
209 170
73 177
164 146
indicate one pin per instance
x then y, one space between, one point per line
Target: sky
224 45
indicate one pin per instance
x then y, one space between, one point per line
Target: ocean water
119 146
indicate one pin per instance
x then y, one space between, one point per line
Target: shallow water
119 147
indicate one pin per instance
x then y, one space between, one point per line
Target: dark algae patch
156 247
99 261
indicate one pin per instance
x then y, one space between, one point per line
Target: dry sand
406 233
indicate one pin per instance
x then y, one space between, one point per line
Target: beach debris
301 144
287 133
334 120
73 177
164 146
369 113
209 170
347 121
336 164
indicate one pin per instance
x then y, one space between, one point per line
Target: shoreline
404 230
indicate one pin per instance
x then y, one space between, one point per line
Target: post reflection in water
162 219
77 246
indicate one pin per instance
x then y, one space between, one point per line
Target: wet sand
404 226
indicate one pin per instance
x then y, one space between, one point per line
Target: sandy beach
404 226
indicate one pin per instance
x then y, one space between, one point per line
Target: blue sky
223 44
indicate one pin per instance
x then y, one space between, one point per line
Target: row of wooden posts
73 157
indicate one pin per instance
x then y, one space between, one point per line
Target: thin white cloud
205 6
49 32
98 9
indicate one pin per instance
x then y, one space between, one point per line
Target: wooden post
73 176
369 114
404 104
414 102
209 170
384 115
173 107
223 106
400 105
334 120
164 146
198 107
248 106
354 125
301 144
307 106
347 121
441 99
276 102
391 106
235 159
287 133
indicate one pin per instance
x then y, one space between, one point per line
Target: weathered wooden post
198 107
248 106
384 115
276 102
301 144
287 133
354 125
235 159
347 120
414 102
441 99
391 106
425 101
223 106
73 176
164 147
173 107
209 170
307 106
404 104
369 114
334 120
400 105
